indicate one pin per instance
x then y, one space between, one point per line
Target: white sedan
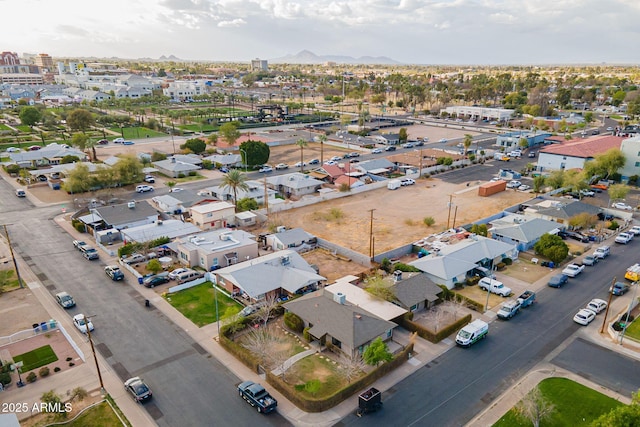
597 305
622 206
376 151
572 270
584 316
79 322
266 169
524 187
173 275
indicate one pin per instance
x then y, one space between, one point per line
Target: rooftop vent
339 297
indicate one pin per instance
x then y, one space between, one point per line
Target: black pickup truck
257 397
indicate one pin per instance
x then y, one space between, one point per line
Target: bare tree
458 304
278 359
350 366
234 324
267 306
437 315
535 407
263 343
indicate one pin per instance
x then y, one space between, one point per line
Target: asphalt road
455 387
191 388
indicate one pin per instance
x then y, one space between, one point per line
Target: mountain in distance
307 57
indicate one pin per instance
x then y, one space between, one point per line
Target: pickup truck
494 286
526 298
257 397
572 270
509 309
114 272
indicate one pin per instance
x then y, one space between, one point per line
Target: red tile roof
585 148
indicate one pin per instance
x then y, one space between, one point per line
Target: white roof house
170 228
276 273
363 299
451 263
213 215
256 190
52 154
174 168
216 248
294 184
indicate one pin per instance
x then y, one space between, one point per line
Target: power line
13 257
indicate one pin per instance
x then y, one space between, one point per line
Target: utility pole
449 205
371 234
95 358
13 257
266 196
604 321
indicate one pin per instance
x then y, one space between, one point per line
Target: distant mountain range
307 57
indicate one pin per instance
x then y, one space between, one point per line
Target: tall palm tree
301 143
235 180
322 138
468 139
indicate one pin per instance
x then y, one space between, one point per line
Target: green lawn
633 330
314 368
36 358
101 415
574 404
4 127
136 132
198 304
189 178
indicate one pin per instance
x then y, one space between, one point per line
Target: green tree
403 135
170 184
618 191
480 229
246 204
257 152
301 143
552 247
466 142
212 139
78 179
129 169
235 180
154 266
195 145
91 145
54 400
606 164
538 183
69 159
555 179
377 352
6 279
229 132
80 119
79 140
622 416
30 116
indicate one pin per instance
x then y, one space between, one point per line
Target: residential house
227 160
171 228
290 239
630 147
386 138
50 155
415 291
192 159
213 215
178 202
216 249
359 297
522 230
449 263
341 325
560 210
280 274
574 154
125 215
174 168
256 190
350 181
294 184
380 166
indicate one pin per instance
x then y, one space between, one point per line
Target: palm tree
301 143
235 180
322 138
468 139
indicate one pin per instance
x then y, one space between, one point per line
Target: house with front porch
415 291
339 324
50 155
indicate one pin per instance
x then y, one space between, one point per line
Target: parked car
118 140
390 148
624 238
65 300
153 281
407 181
376 151
524 188
590 260
597 305
299 164
79 244
336 158
622 206
584 316
514 184
103 141
134 259
558 280
619 288
407 145
420 143
138 389
144 188
314 162
635 230
114 272
572 270
494 286
150 179
531 154
282 166
176 190
354 154
265 168
79 322
588 193
602 252
173 275
128 143
90 253
577 236
21 193
34 148
224 170
442 140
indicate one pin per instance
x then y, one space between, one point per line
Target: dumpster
369 401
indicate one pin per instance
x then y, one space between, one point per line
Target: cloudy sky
408 31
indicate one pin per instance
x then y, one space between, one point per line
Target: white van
471 333
188 276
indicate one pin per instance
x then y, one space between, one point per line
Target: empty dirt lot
397 215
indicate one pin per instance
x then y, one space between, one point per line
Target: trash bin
36 327
52 323
140 280
43 326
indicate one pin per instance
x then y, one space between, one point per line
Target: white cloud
234 23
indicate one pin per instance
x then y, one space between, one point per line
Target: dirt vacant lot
397 215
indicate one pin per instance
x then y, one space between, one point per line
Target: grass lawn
198 304
4 127
633 330
315 368
574 404
36 358
189 178
136 132
100 415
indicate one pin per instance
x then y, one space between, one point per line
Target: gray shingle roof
527 231
416 289
568 210
350 324
121 214
293 236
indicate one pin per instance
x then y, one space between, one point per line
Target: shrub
293 322
44 371
72 364
192 173
69 359
613 225
79 226
507 261
429 221
31 377
180 175
306 335
12 169
406 268
56 369
471 281
501 266
5 378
